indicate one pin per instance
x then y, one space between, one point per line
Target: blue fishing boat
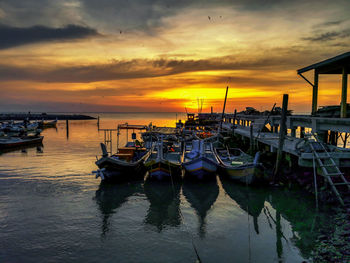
199 160
164 162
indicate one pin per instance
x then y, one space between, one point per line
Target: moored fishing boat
237 165
128 163
14 142
48 124
199 160
164 162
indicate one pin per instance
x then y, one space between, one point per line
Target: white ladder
330 170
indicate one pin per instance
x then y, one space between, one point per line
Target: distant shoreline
43 116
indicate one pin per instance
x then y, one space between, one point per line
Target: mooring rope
183 219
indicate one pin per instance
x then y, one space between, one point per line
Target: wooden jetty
293 141
333 131
313 140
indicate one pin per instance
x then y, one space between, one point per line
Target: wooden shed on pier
335 65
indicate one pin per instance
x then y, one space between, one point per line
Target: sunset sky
153 55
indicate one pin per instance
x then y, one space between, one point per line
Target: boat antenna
198 105
223 110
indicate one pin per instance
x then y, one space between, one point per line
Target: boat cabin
128 153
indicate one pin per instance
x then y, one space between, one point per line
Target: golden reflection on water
224 218
71 156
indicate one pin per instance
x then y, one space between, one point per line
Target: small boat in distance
48 124
199 160
17 142
237 165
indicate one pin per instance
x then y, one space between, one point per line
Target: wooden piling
314 93
282 134
67 127
251 146
344 91
293 132
98 122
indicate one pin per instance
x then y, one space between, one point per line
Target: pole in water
98 122
251 147
67 128
282 134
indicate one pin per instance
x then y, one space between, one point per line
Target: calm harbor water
52 209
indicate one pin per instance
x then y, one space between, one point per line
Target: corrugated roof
333 65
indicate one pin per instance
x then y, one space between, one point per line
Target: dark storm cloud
16 36
137 68
113 16
328 36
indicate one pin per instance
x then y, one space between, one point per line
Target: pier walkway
266 132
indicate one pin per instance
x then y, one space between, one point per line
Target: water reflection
251 200
164 198
21 148
201 196
110 197
299 210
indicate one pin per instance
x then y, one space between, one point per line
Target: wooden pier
334 132
266 132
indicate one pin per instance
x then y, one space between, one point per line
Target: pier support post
98 122
251 146
333 138
293 132
282 134
322 135
302 132
314 94
344 91
234 121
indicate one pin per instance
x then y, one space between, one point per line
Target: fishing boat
20 128
48 124
17 142
199 160
237 165
127 163
164 162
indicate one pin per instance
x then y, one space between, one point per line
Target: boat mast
223 110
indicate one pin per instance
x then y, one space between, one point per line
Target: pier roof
332 65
